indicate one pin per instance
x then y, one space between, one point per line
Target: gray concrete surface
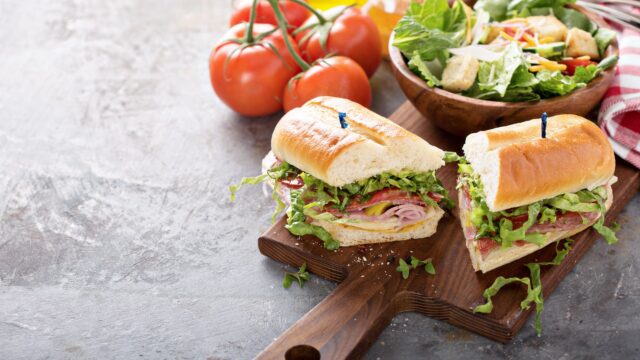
117 239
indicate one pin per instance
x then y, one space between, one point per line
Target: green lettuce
603 38
520 87
496 75
430 29
421 69
496 8
533 283
498 284
297 225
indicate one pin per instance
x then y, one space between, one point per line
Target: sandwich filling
488 231
387 202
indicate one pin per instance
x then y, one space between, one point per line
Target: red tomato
294 13
572 64
353 34
251 80
336 76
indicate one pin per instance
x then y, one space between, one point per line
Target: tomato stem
316 13
282 23
248 36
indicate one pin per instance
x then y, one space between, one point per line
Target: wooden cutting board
372 292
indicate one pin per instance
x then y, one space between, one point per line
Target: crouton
581 43
548 27
460 73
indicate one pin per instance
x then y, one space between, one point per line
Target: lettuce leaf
496 8
560 254
535 295
420 68
246 181
498 284
553 83
297 226
533 283
430 29
497 75
603 38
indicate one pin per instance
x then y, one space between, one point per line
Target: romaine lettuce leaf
420 68
603 38
496 75
553 83
496 8
430 29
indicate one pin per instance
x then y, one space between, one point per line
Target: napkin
619 115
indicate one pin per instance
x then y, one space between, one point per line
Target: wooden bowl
461 115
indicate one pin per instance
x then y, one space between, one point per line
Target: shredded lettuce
535 295
246 181
498 284
297 225
533 283
560 253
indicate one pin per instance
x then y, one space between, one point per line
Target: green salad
502 50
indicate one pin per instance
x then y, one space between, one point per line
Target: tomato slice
572 64
435 196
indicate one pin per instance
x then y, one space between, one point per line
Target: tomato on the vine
347 32
250 77
336 76
295 14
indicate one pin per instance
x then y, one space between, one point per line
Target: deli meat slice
407 214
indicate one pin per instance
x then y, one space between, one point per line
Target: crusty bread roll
517 166
502 256
311 139
350 236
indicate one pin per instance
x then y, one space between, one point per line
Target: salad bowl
461 115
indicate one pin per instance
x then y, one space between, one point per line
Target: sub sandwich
519 192
350 176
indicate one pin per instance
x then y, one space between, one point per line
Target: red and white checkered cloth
620 110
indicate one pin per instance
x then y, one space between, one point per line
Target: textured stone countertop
117 238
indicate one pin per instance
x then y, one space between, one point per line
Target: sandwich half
519 192
370 182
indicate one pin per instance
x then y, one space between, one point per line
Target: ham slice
407 214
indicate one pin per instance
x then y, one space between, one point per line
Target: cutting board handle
343 325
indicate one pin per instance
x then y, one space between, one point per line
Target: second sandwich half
360 180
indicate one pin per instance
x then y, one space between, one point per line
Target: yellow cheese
403 229
377 209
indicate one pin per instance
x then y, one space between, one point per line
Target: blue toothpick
343 122
544 125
